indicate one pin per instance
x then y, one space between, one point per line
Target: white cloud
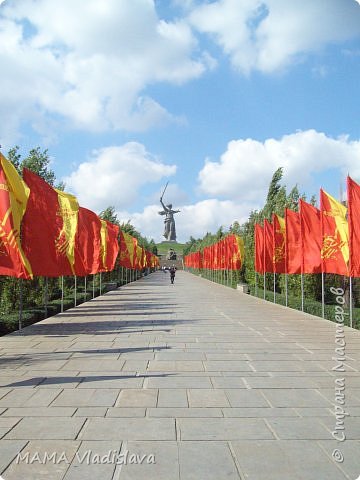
245 169
193 220
114 176
268 35
90 62
173 194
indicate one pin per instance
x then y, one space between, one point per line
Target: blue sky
211 96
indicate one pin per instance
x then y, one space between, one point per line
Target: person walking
172 273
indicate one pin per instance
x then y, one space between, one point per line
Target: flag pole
264 285
100 283
302 292
256 286
20 303
286 289
75 290
93 285
62 294
351 301
274 282
322 295
85 292
46 297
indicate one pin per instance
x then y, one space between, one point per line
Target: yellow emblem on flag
68 211
19 194
330 244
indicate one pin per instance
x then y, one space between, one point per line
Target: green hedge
10 322
310 306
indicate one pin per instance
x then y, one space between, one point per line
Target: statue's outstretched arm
164 206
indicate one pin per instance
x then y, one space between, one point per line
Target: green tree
292 200
15 158
152 247
110 215
37 161
275 192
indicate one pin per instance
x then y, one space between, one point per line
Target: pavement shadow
116 327
39 357
36 381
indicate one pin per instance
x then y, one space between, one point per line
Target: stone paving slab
165 466
172 397
223 429
284 460
52 428
212 383
207 461
9 451
94 460
42 460
129 428
39 412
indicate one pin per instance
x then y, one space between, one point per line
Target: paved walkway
189 381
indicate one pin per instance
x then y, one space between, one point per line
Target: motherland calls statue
169 222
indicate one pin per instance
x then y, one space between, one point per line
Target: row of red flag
325 240
58 237
226 254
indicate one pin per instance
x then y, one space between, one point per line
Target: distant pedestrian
172 273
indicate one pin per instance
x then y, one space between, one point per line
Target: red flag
14 196
137 255
222 254
259 248
353 194
279 239
43 237
335 235
88 243
216 257
126 250
293 242
235 248
213 257
310 224
268 246
112 245
207 258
